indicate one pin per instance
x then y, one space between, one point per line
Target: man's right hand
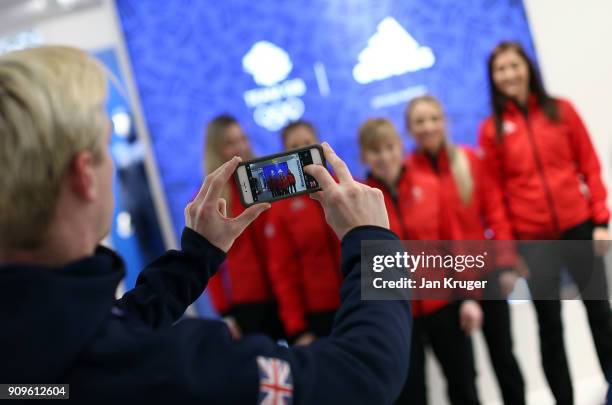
347 204
207 213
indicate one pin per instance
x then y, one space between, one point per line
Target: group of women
535 176
280 184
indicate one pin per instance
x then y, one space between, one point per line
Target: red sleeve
587 162
285 273
246 265
246 260
491 159
490 173
216 290
488 166
491 200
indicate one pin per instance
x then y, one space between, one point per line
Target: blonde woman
436 194
460 197
241 291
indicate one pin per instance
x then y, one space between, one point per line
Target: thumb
249 215
222 205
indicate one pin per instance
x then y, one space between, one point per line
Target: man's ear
81 176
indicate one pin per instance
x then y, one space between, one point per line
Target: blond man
60 320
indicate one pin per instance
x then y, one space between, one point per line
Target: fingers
221 177
243 220
207 181
202 192
233 327
468 324
463 324
317 196
340 168
601 247
521 267
322 176
470 316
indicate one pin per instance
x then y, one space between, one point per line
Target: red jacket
243 279
284 182
541 169
303 261
428 207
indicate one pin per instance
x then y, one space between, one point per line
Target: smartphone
279 176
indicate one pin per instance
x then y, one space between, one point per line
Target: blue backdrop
275 166
330 61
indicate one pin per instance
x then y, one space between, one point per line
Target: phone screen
280 176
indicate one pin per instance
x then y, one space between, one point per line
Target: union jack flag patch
275 382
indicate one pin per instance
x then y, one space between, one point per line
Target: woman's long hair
536 87
458 161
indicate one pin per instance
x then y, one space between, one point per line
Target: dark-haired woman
304 255
548 173
240 291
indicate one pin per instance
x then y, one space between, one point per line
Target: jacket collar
380 184
438 163
49 315
513 107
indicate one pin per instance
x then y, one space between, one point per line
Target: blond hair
52 105
459 163
374 131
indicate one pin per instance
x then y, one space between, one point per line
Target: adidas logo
391 51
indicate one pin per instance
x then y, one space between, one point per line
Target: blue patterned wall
187 58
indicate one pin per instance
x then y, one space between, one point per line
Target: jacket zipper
549 199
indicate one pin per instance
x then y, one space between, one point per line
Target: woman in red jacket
240 291
413 197
304 255
546 169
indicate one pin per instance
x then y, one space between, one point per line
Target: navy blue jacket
64 325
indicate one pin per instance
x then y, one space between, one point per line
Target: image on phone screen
281 176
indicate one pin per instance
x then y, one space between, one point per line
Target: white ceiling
16 15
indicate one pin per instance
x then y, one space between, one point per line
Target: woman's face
385 159
511 75
427 125
235 143
300 137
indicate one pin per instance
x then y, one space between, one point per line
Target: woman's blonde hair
52 106
459 163
374 131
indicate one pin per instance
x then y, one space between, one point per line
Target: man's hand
601 239
207 213
470 316
507 281
233 327
347 204
306 339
